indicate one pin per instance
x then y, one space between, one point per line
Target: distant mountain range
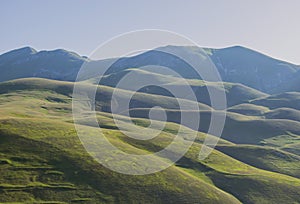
235 64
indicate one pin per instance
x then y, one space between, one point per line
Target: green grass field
43 161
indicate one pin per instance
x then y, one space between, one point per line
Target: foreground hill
48 164
40 150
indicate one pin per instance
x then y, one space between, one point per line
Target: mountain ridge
235 64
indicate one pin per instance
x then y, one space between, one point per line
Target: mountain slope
27 62
235 64
290 86
242 65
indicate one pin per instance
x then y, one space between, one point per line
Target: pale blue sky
269 26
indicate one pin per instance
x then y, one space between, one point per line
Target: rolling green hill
43 161
248 109
238 128
103 97
52 166
235 93
283 100
284 113
266 158
43 155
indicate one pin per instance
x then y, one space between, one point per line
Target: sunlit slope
194 179
267 158
103 96
238 128
40 149
47 162
248 109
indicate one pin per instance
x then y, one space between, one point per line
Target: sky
268 26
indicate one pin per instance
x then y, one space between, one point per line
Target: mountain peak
236 47
18 53
62 53
24 50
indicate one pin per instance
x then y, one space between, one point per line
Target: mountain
27 62
235 64
242 65
292 85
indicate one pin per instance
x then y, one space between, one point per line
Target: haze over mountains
235 64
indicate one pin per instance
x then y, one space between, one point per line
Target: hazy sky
269 26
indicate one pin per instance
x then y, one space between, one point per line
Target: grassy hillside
103 96
265 158
235 93
248 109
238 128
50 166
43 161
284 113
283 100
